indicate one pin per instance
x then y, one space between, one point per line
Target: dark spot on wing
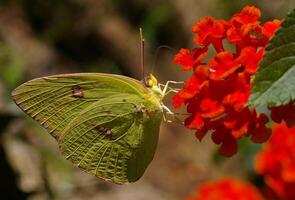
104 131
108 133
77 91
100 129
124 100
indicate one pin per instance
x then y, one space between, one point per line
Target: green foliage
274 84
52 20
11 66
156 18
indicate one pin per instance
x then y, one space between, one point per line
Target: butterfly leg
168 112
165 111
165 108
165 118
166 86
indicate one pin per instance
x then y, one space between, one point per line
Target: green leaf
274 84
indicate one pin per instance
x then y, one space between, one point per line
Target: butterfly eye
153 80
150 81
147 82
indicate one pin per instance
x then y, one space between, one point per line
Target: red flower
226 189
249 14
195 122
189 60
178 99
222 135
238 92
246 30
276 162
216 95
192 86
211 108
210 31
284 113
260 132
222 65
250 58
269 28
245 35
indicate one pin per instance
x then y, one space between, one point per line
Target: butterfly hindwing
105 124
113 139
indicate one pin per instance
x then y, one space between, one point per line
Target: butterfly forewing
105 124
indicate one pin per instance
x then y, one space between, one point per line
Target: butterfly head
151 82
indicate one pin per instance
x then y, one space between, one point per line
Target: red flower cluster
217 93
226 189
276 162
284 113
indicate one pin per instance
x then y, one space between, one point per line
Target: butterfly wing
107 125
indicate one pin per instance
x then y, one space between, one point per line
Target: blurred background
41 38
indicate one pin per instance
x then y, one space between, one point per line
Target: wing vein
48 97
58 110
107 162
100 159
50 103
89 149
90 107
34 96
116 163
53 129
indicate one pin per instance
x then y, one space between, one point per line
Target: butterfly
105 124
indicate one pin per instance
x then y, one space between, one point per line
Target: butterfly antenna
141 52
157 53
